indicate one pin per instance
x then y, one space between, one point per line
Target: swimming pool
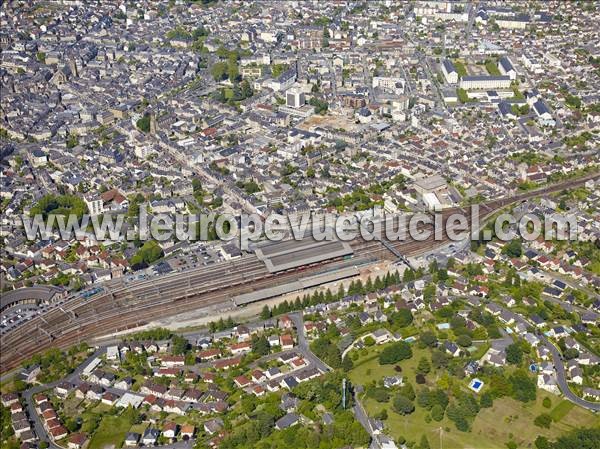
476 385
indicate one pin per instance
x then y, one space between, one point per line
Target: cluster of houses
19 420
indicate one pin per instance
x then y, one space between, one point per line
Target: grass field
507 420
460 68
561 410
111 433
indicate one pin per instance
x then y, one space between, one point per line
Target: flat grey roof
287 246
307 255
265 293
306 282
330 276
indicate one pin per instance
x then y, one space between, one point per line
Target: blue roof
541 108
504 108
506 64
449 66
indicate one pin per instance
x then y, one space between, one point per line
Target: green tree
402 318
424 367
437 412
260 345
486 400
428 338
523 387
514 354
219 71
395 352
265 314
402 405
544 420
464 341
143 124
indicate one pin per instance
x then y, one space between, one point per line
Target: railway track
118 310
126 306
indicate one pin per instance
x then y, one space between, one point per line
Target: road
298 320
561 378
74 378
560 369
28 395
136 303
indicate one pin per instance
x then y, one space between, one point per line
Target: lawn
492 428
368 367
460 68
492 68
517 419
139 428
561 410
507 420
110 433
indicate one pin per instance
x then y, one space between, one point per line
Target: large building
505 66
485 82
294 98
389 84
513 22
450 72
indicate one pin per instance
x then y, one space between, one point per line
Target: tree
424 444
382 415
578 439
547 402
486 400
428 338
408 391
439 359
247 90
523 387
402 405
219 71
514 354
437 413
143 123
424 367
265 314
347 364
395 353
420 379
380 394
369 341
179 344
260 345
571 353
233 73
148 253
464 341
544 420
513 248
402 318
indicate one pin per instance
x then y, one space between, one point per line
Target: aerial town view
309 224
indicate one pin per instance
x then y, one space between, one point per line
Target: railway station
296 286
291 254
